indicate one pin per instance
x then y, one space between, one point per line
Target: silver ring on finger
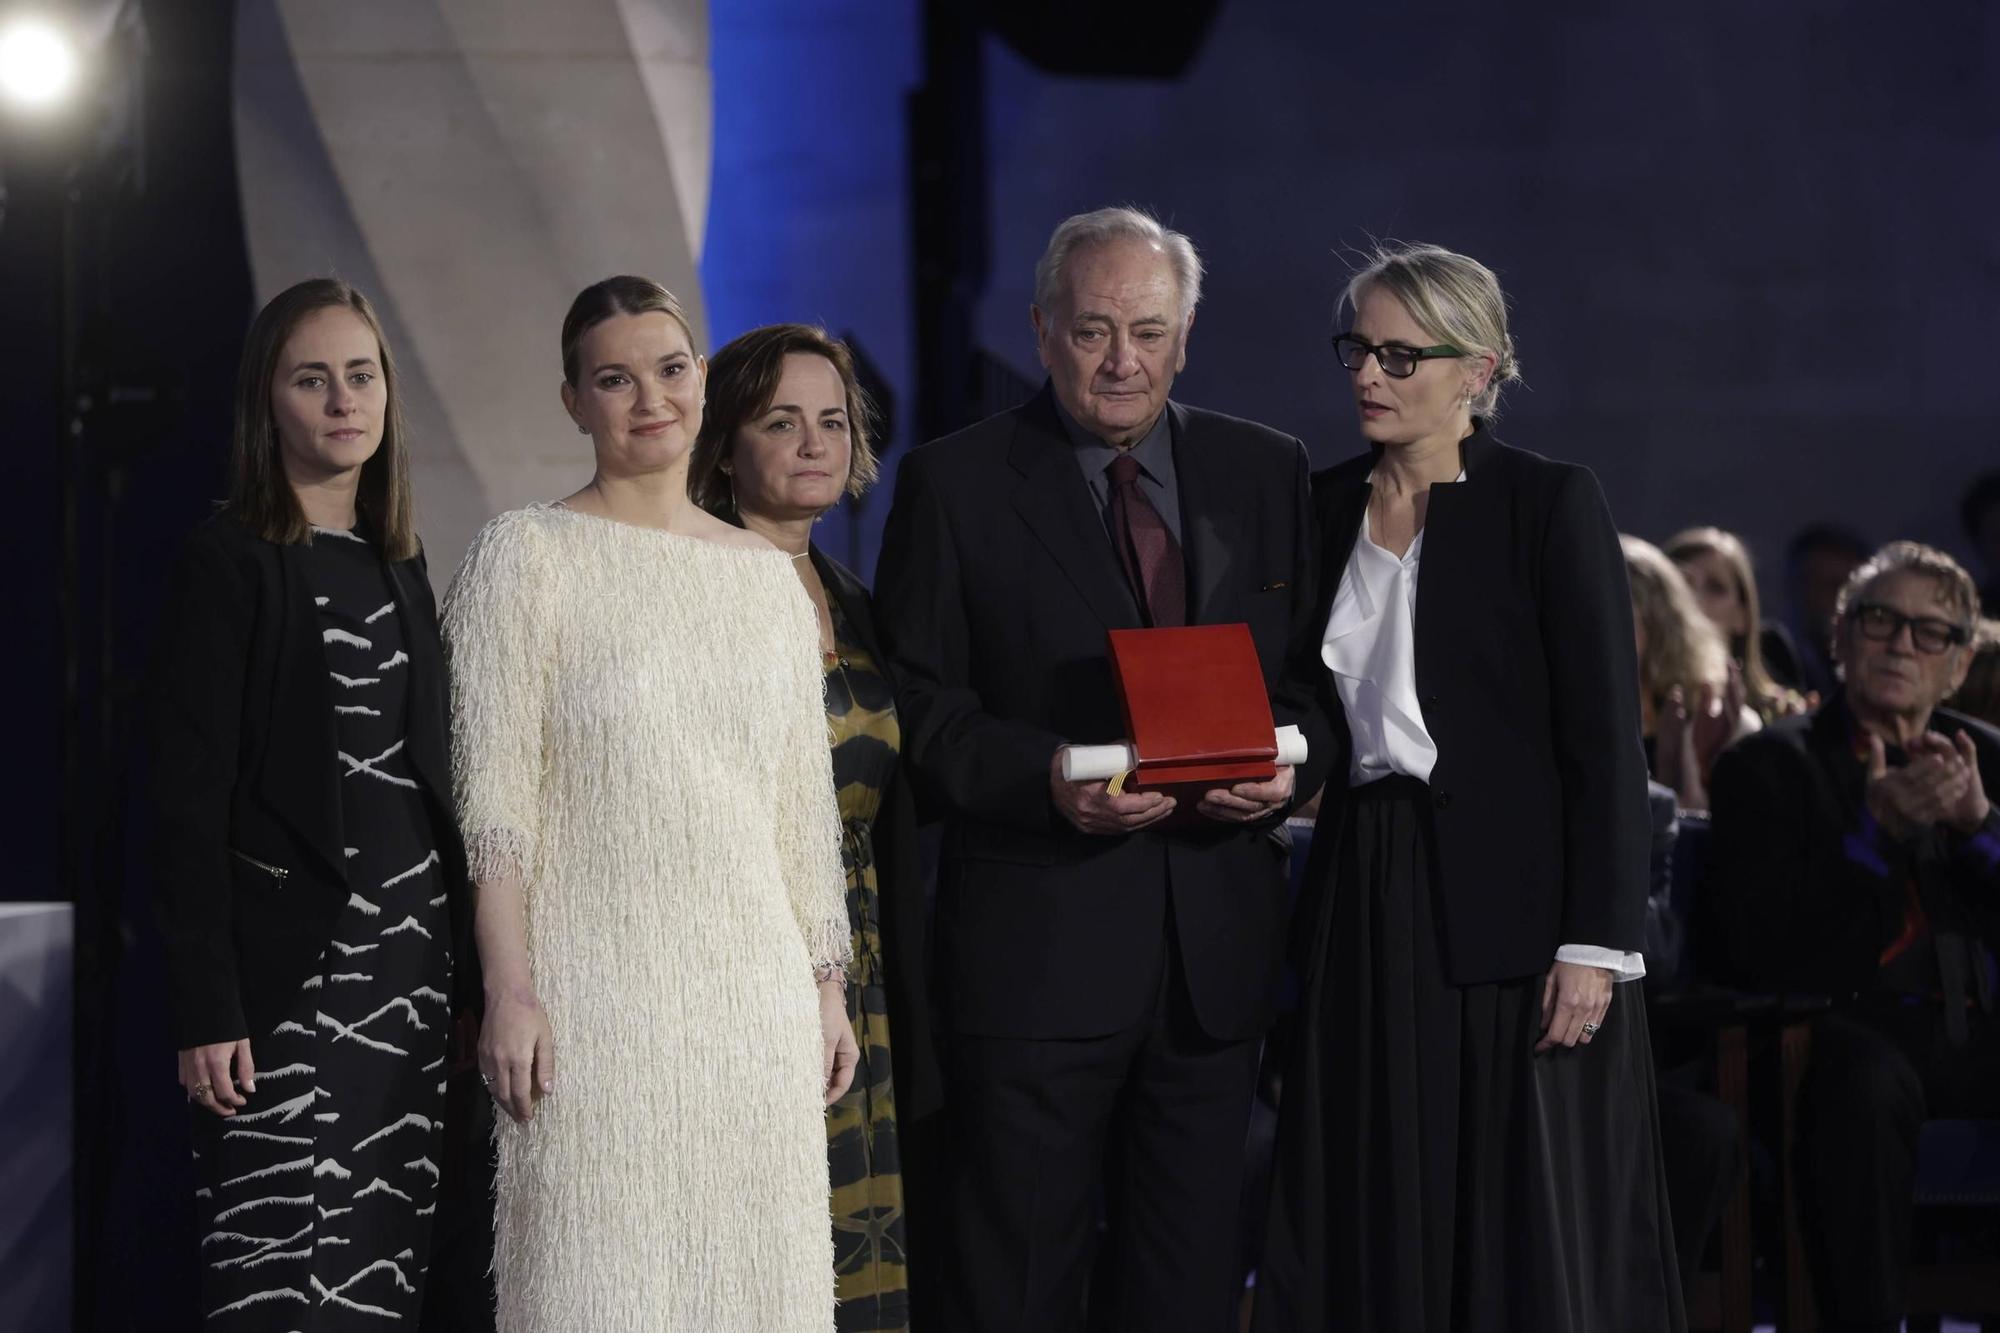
1591 1029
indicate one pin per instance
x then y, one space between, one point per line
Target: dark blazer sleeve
194 716
1586 627
1797 896
990 768
1299 697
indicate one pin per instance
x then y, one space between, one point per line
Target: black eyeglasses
1930 635
1394 358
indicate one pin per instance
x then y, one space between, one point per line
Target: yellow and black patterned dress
869 1264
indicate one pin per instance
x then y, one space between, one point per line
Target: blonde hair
1683 647
1455 298
1765 695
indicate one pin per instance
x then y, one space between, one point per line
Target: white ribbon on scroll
1101 763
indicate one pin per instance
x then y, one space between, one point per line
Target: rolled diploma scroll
1101 763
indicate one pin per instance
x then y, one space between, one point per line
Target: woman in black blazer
1468 1136
784 437
311 883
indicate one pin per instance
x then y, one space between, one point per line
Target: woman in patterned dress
310 873
644 788
784 437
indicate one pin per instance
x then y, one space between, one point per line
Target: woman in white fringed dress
645 786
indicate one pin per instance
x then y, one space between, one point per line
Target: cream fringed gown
639 727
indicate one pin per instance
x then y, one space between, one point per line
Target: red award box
1195 707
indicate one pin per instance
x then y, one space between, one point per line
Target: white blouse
1370 646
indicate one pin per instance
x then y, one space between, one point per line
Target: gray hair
1116 224
1955 586
1455 298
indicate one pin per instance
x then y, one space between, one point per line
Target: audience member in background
645 787
1691 696
785 435
1817 563
311 879
1468 1136
1979 696
1857 855
1979 514
1717 567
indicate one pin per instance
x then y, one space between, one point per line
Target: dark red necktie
1146 547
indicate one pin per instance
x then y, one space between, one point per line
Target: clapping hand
1717 719
1939 785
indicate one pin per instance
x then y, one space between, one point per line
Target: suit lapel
1210 518
300 779
1054 501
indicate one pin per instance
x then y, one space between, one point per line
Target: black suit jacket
1529 682
899 864
241 765
1803 892
996 587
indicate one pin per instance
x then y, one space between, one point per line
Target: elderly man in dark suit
1106 976
1857 855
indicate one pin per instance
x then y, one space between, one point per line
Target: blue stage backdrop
1749 249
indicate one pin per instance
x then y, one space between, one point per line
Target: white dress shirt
1370 646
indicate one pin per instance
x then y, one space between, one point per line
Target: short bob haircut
1455 298
742 381
260 496
622 295
1683 647
1955 585
1087 230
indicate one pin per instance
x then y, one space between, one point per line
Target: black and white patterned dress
316 1199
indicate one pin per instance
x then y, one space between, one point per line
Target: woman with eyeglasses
1468 1134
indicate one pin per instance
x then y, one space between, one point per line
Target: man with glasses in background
1857 856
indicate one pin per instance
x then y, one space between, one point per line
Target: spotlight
38 63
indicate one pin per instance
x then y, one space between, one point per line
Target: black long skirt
1432 1172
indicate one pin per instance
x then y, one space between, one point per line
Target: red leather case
1195 708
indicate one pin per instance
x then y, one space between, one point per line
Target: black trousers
1151 1122
1875 1077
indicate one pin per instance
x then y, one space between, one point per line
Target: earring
583 430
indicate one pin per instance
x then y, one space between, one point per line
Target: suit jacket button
1443 800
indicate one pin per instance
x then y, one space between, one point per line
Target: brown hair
1683 647
259 495
1764 694
743 379
622 295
